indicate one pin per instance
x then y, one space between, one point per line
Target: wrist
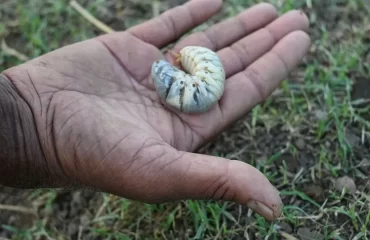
21 156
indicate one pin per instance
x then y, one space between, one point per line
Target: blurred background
311 138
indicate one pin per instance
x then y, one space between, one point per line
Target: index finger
173 23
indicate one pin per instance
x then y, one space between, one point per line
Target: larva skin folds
197 89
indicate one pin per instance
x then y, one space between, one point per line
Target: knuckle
255 77
169 22
242 52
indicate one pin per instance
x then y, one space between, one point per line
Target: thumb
160 174
208 177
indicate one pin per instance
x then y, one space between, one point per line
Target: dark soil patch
361 93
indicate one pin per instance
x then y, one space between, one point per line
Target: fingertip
255 190
305 19
174 22
268 8
215 5
291 21
209 177
218 3
299 38
301 18
268 212
304 36
263 13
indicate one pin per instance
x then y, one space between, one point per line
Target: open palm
102 125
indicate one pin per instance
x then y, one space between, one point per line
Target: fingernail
261 209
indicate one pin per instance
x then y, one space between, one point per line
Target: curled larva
195 90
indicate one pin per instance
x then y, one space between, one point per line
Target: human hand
101 124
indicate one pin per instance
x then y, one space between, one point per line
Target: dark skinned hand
102 125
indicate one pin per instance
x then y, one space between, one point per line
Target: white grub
198 88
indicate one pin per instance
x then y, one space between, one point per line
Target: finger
207 177
253 85
159 173
245 51
175 22
226 32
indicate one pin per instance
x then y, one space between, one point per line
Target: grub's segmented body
195 90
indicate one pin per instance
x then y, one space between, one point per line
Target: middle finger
226 32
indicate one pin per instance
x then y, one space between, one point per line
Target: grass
314 130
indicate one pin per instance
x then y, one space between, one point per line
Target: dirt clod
286 227
352 138
361 89
345 183
364 165
300 143
307 234
292 162
321 115
314 191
